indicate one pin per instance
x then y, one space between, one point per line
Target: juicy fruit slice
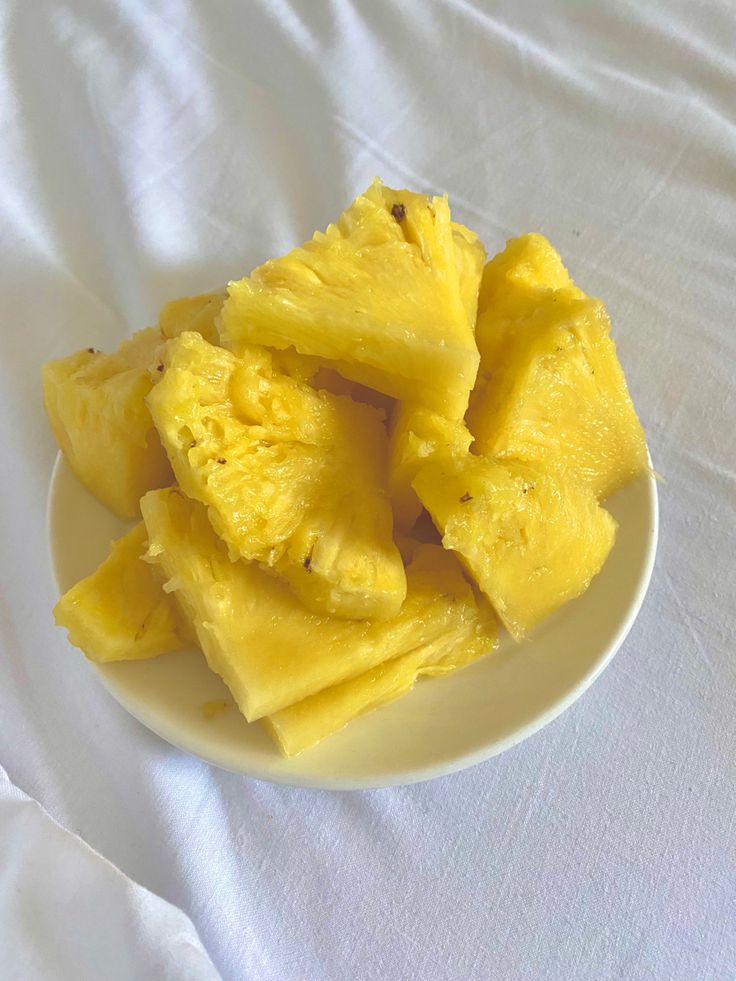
511 281
550 389
293 478
378 294
96 408
120 612
306 723
255 633
557 397
197 313
417 434
531 540
527 262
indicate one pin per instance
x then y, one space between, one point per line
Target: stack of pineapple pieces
282 440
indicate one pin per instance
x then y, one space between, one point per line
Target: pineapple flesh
270 651
96 409
530 539
301 726
527 262
416 434
551 391
378 295
293 478
120 612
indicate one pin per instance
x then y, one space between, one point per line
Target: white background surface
152 150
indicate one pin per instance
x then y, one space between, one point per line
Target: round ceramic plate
443 725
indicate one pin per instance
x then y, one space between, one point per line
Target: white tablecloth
154 149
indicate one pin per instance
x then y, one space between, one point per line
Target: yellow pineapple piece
270 651
527 262
293 478
96 408
197 313
527 265
531 540
300 726
120 612
377 294
550 389
558 398
416 434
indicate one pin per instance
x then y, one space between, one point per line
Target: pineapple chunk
550 389
527 262
531 540
416 434
377 294
257 636
120 612
557 398
96 408
528 265
293 478
300 726
197 313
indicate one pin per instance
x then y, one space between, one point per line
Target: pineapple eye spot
399 212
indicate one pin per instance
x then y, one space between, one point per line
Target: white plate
443 725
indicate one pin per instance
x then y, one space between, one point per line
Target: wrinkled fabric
66 912
154 150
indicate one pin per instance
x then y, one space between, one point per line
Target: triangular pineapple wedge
255 633
527 262
531 540
293 478
96 408
306 723
120 612
378 294
416 434
551 391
